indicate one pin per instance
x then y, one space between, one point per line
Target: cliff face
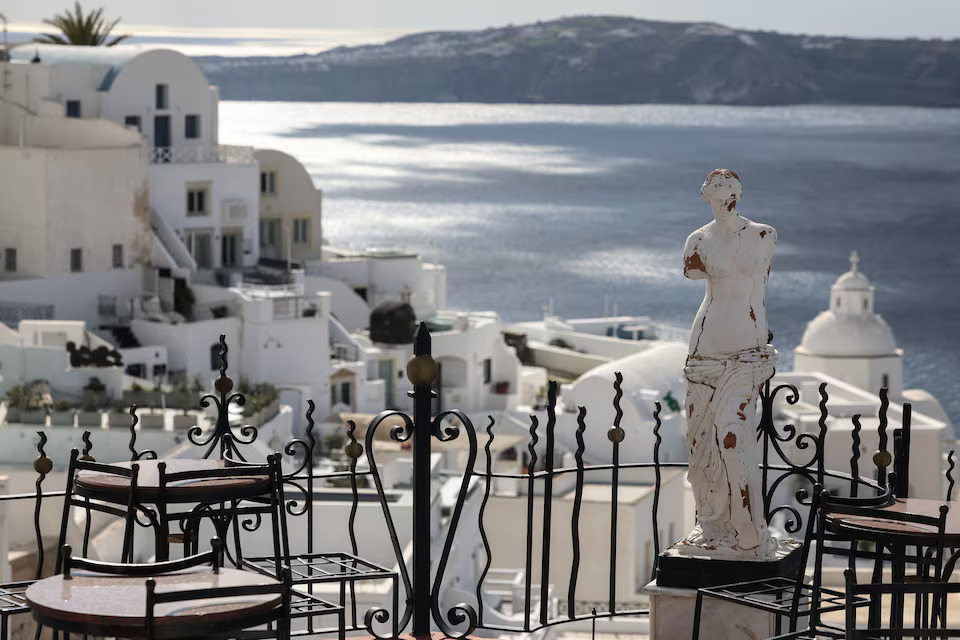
607 60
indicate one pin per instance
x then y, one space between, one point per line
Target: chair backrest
845 519
851 520
244 512
280 613
127 511
213 557
808 537
934 626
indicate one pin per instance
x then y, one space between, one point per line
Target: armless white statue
728 361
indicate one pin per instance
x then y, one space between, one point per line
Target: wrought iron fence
422 586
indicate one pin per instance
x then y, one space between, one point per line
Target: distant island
607 60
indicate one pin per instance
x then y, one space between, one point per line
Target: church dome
830 334
852 281
849 328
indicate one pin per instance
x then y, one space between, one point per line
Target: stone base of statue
671 617
680 566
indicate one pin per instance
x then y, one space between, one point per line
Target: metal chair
128 512
247 494
925 627
212 619
893 533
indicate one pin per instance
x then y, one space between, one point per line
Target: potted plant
62 414
33 410
151 420
180 396
119 415
17 399
262 404
90 402
135 395
184 420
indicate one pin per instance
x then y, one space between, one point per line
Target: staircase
124 338
169 244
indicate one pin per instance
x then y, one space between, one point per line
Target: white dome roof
852 281
862 335
648 377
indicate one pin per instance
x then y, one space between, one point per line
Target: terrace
432 525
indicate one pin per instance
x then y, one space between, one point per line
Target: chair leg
396 608
698 607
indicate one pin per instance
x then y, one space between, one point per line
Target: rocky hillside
608 60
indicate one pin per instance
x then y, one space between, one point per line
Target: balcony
228 154
566 554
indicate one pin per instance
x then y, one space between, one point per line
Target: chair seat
776 596
314 568
12 600
306 604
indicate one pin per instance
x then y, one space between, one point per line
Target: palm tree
78 29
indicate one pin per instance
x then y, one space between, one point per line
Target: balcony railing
422 606
11 313
230 154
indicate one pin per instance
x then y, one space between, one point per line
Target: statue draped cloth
724 455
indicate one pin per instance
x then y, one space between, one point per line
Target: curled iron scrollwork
398 433
380 615
462 612
457 615
776 439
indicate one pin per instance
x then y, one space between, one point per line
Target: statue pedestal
692 572
671 617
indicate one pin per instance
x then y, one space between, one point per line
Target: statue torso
736 263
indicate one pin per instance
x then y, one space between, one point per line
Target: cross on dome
854 261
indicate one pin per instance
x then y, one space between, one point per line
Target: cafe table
221 488
897 535
115 605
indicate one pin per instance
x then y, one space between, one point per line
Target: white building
378 276
205 192
74 194
850 341
290 205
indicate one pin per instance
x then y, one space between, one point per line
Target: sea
586 208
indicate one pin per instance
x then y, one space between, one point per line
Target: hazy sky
872 18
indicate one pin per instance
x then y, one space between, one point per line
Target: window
300 226
133 122
230 247
10 260
118 256
487 371
197 201
162 96
191 127
345 393
270 234
268 182
73 108
76 260
201 248
885 381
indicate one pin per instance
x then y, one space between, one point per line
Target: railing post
422 371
